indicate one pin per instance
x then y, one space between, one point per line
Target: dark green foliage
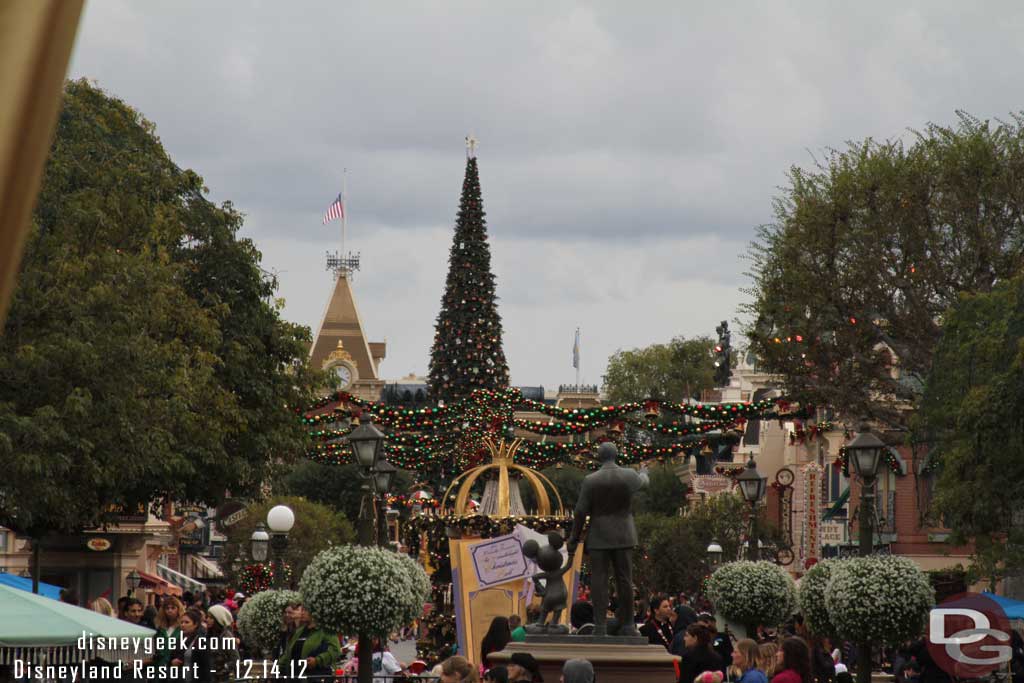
672 555
336 486
664 494
870 248
681 369
973 418
467 353
317 527
143 356
566 479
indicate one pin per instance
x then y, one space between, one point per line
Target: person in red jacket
794 660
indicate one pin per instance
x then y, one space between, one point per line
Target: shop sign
711 484
98 544
833 533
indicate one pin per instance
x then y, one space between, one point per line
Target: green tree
467 353
672 555
317 527
869 249
971 417
337 486
142 357
567 481
664 494
673 372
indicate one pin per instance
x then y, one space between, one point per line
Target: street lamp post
280 519
753 487
714 554
383 475
260 543
865 453
132 581
367 443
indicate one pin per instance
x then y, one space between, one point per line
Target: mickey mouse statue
552 590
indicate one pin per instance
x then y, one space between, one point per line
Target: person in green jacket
168 630
319 649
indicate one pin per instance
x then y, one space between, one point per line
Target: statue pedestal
616 659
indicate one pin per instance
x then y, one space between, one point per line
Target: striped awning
837 506
178 579
204 568
158 585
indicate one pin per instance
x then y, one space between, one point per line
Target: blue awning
21 583
1014 609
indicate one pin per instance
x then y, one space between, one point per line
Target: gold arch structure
502 455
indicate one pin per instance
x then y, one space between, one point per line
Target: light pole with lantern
132 581
714 554
367 443
383 475
753 487
259 543
865 453
280 519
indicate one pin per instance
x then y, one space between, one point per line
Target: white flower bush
259 619
879 599
751 593
359 590
421 586
810 596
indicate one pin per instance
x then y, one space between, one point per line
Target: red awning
158 585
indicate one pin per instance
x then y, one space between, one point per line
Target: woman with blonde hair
766 658
745 658
458 670
168 630
103 606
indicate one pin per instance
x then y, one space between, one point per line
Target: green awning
32 626
837 505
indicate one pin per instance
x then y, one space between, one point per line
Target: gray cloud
628 151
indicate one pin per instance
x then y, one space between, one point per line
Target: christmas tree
467 352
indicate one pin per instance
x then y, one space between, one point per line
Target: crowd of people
790 654
195 633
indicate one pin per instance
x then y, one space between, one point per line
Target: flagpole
580 361
344 208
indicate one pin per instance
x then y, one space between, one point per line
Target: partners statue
607 497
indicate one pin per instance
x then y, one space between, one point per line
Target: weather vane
471 143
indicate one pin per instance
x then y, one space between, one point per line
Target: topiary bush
752 593
369 591
810 596
881 599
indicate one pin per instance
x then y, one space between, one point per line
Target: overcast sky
627 150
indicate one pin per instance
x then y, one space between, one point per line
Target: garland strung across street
450 437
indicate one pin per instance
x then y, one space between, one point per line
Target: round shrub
810 596
882 599
751 593
259 619
355 589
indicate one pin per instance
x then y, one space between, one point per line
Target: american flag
335 210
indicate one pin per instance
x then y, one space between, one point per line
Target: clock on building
344 373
